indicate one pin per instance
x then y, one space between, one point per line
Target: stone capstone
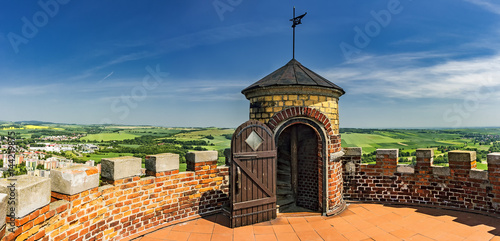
29 193
3 208
75 179
201 156
120 167
162 162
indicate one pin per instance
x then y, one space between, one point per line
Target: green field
97 157
371 142
220 142
407 141
119 136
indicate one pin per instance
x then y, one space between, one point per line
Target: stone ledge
424 153
494 158
162 162
201 156
441 171
121 167
74 179
405 169
353 151
31 193
478 174
461 156
3 208
392 153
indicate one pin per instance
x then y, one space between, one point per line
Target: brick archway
301 112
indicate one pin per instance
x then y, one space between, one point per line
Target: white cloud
403 76
486 4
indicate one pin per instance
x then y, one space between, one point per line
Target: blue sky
183 63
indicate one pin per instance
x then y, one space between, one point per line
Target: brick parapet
127 207
458 186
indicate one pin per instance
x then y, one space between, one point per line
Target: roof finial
296 21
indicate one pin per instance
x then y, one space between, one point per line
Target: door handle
238 179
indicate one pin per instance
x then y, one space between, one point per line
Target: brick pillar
387 161
424 160
461 162
494 177
351 160
201 160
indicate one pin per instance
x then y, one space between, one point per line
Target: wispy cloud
487 4
401 76
29 90
413 40
107 76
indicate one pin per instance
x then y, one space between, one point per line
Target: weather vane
296 21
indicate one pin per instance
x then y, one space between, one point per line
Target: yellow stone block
280 103
268 98
313 97
265 115
258 116
277 109
308 103
303 97
288 103
269 109
292 97
322 98
298 103
277 97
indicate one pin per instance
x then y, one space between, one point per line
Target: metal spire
296 21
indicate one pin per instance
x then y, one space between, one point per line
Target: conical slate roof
293 73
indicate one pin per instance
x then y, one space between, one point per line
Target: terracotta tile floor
358 222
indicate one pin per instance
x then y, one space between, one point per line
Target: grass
220 142
130 145
182 167
120 136
481 166
371 142
97 157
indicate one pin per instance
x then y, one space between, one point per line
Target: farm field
119 136
220 142
407 141
97 157
120 140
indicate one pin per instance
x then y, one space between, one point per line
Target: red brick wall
458 186
128 207
308 169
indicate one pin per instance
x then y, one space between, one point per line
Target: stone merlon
74 179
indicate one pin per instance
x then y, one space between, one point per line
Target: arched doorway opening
300 169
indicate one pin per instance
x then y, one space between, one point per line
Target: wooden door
252 174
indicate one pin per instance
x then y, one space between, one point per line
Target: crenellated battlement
460 185
127 206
